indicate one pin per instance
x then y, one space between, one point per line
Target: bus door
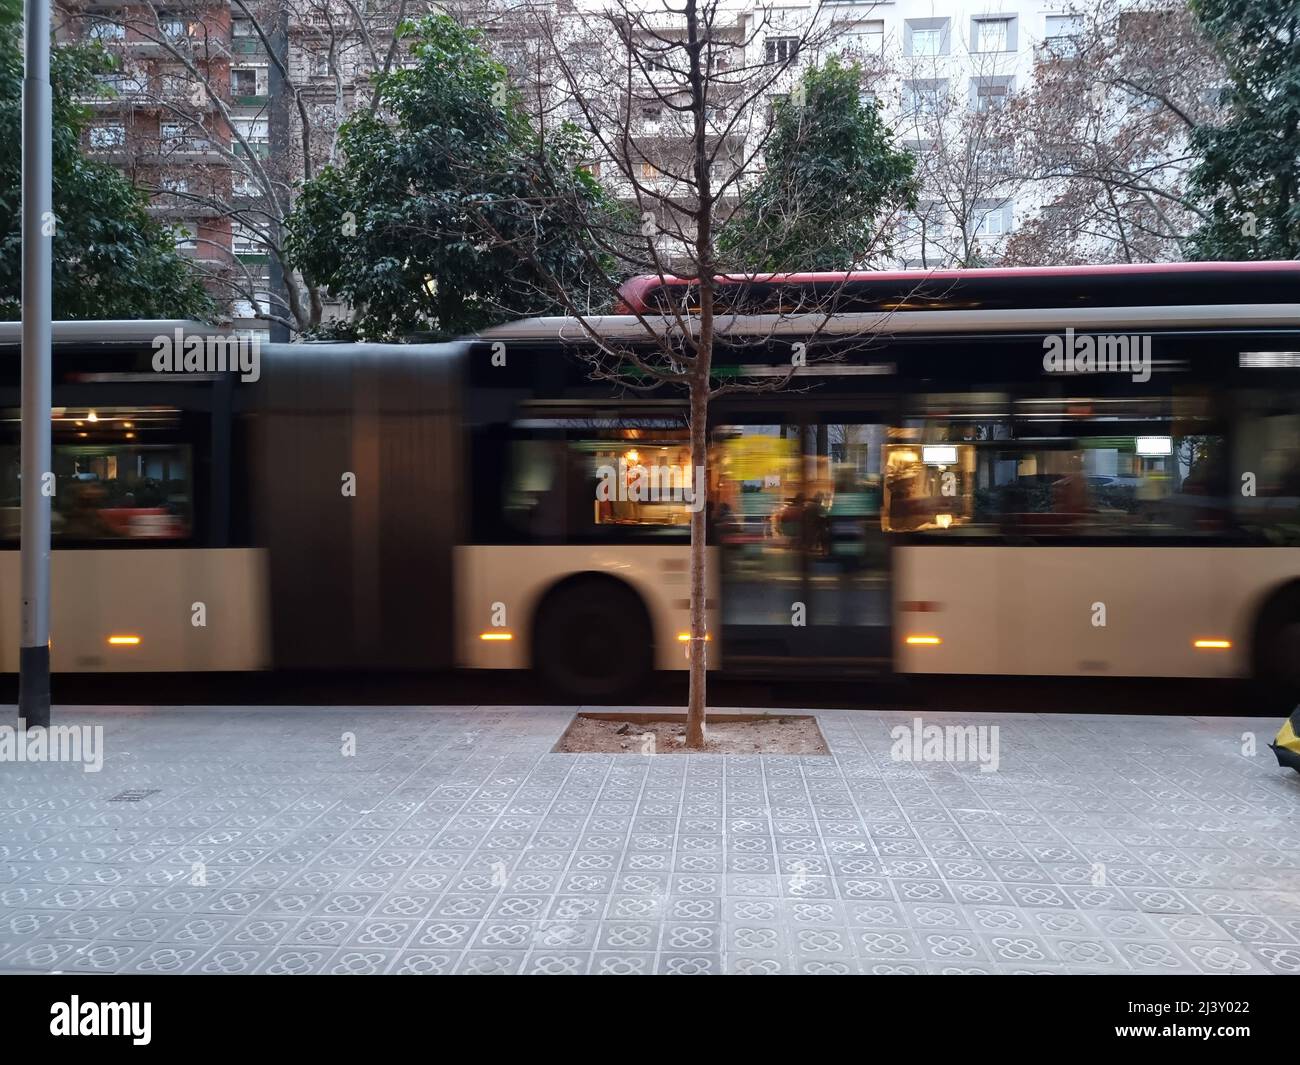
804 562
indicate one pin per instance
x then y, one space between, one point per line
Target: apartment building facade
220 109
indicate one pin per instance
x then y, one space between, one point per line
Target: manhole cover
134 794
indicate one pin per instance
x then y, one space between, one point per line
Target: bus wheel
592 639
1277 651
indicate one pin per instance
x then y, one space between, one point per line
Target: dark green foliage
833 179
448 212
1247 174
111 260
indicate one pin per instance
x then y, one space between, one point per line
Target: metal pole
278 135
38 478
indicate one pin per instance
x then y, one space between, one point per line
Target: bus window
1146 486
1066 465
601 482
1266 468
116 478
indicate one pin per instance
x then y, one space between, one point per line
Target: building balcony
182 211
170 156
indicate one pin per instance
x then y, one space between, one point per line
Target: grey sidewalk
453 841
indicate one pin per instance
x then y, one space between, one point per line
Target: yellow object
1287 744
752 458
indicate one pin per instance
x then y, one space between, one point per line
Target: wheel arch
1277 603
565 583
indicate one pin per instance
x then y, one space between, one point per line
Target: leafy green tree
111 259
449 212
1247 174
833 182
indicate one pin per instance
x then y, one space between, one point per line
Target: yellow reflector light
929 641
496 635
684 637
124 641
1212 645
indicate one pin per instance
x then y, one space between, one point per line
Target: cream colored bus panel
517 578
149 596
1076 611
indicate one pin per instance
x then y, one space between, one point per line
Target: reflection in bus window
1156 485
635 479
112 482
1266 492
796 511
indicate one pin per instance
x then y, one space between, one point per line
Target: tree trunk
696 701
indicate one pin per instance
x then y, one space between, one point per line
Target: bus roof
120 331
1115 285
630 329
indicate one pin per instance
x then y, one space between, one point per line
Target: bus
1072 471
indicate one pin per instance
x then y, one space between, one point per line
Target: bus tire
1275 652
592 639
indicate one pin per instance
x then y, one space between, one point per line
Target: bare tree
1102 133
231 108
677 99
955 118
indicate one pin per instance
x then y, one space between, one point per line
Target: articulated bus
1067 471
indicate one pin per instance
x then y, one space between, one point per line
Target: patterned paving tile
453 841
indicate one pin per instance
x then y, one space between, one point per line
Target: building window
781 49
659 63
1062 34
187 236
992 219
996 158
924 97
1061 221
254 130
867 38
178 137
245 242
250 308
988 94
925 37
106 31
925 224
108 135
122 83
174 80
993 35
248 81
242 27
649 170
173 26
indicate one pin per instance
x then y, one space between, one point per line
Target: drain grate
134 794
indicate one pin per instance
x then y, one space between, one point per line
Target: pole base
34 686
